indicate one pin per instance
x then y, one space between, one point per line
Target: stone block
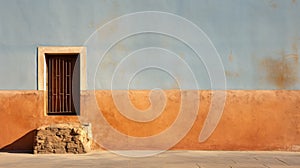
62 138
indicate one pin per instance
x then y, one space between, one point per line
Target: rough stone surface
62 138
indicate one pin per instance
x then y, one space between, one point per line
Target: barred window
62 83
62 76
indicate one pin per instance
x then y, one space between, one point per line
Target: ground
172 159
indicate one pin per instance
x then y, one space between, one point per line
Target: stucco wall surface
252 120
257 40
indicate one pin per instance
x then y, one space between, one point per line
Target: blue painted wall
257 40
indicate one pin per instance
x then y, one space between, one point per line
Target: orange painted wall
252 120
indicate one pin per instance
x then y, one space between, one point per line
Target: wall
246 34
252 120
257 42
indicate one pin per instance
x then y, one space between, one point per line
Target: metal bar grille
60 77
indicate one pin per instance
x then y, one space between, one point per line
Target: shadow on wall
22 145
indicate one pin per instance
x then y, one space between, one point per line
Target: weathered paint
252 120
21 113
282 72
258 43
249 31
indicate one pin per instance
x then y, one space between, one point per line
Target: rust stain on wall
273 4
231 74
283 71
295 52
230 57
